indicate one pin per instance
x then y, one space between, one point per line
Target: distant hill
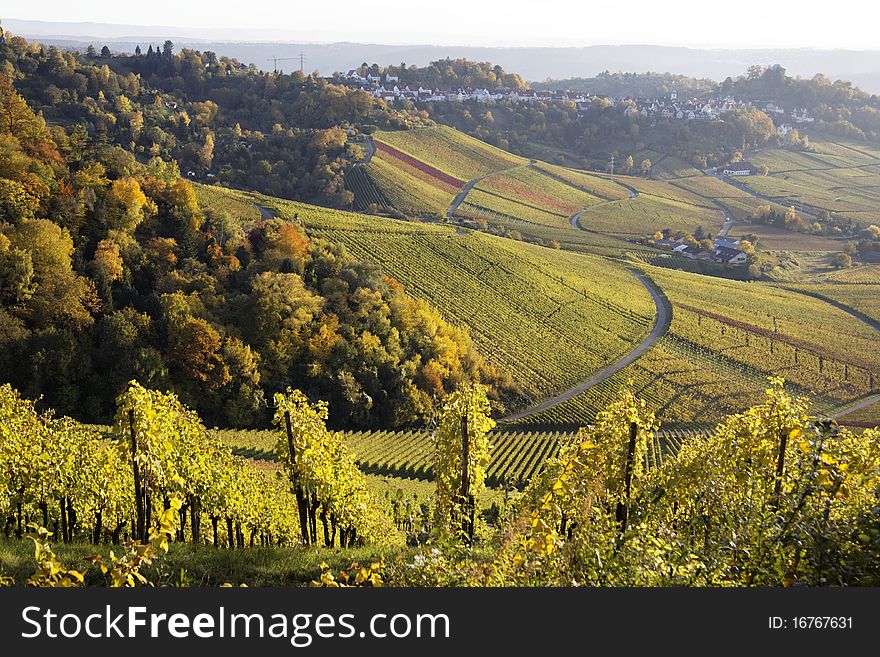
862 68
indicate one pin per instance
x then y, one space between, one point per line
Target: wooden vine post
301 501
780 469
467 500
140 511
623 506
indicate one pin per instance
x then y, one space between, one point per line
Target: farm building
738 169
726 242
729 256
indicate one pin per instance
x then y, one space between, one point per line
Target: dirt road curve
661 325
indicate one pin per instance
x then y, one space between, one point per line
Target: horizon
165 31
558 25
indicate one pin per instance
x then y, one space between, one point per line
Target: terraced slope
726 337
839 177
548 317
449 151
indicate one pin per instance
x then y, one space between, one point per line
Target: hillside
725 339
548 317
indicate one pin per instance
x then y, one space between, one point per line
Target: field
403 459
726 337
841 178
237 205
650 212
450 151
548 317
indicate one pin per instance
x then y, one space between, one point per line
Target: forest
111 270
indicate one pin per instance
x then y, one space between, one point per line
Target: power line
275 61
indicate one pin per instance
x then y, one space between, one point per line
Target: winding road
265 213
575 219
661 325
867 401
459 198
371 151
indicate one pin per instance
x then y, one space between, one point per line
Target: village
388 88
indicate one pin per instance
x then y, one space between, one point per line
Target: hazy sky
708 23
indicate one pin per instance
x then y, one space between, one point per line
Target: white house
801 116
738 169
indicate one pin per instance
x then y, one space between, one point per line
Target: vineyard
860 296
449 151
66 476
529 194
517 456
416 190
366 193
597 185
221 200
837 177
547 317
863 275
649 212
865 418
742 205
726 337
114 487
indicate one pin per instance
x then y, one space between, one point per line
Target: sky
847 24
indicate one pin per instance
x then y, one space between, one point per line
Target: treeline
593 133
634 85
447 74
111 270
284 135
837 106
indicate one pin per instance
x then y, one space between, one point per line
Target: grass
203 565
